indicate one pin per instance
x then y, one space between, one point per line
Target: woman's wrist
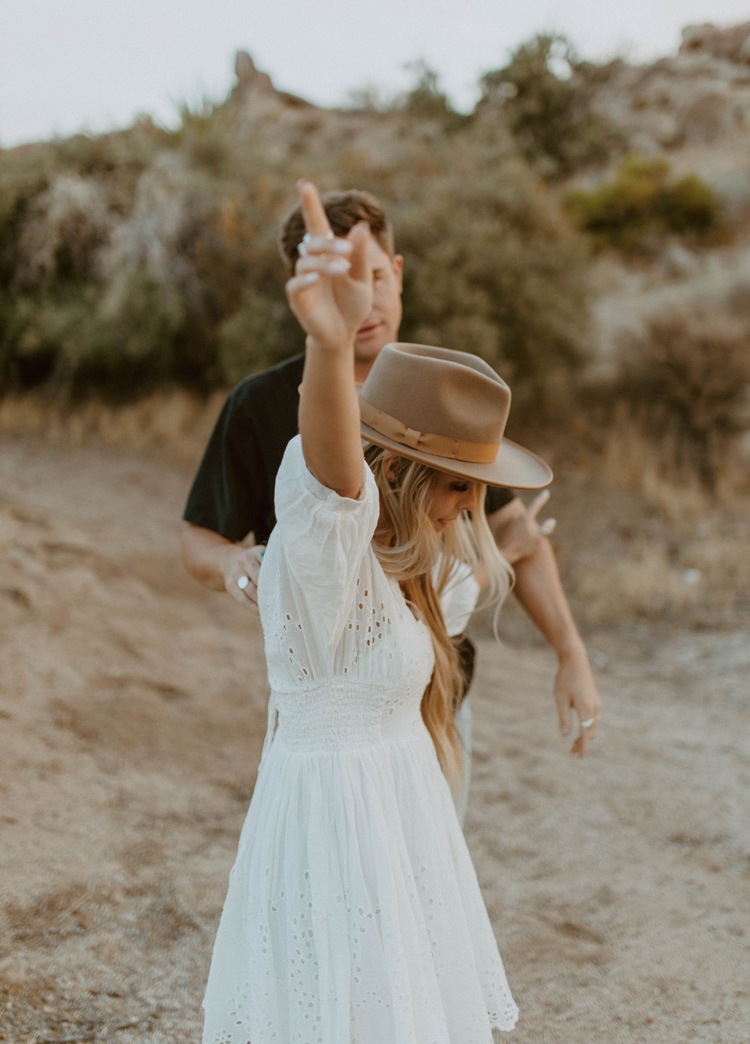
317 344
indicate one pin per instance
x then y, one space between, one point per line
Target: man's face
381 325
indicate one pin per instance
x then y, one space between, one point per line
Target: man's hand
522 540
575 689
223 565
241 572
516 530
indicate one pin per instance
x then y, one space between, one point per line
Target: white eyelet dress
353 914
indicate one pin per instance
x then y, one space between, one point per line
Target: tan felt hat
447 409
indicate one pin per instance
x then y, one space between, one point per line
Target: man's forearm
540 592
222 565
204 555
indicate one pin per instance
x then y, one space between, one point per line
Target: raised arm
330 294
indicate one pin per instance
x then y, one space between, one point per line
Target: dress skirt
354 915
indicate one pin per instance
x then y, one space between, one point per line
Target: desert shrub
427 100
168 251
260 333
21 183
131 342
204 135
119 157
39 333
546 97
492 268
64 229
686 383
689 207
642 204
73 343
172 274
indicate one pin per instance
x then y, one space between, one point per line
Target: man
232 495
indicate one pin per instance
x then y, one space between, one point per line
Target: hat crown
439 391
447 409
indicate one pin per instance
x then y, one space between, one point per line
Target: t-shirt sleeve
459 597
323 539
228 481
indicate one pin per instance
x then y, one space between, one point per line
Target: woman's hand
575 689
331 295
330 292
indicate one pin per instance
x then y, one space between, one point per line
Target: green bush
546 97
259 334
642 204
173 277
130 341
427 100
491 268
22 181
48 338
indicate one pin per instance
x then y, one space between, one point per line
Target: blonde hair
408 549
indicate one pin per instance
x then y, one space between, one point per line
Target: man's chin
367 349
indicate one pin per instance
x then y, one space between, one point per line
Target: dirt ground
132 710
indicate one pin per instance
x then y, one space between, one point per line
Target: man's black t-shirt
233 490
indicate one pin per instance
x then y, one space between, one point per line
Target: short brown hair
344 210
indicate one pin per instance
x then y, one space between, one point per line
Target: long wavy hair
408 548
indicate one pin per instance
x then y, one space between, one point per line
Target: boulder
707 116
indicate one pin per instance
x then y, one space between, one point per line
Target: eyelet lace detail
353 914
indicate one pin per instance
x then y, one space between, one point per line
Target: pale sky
70 65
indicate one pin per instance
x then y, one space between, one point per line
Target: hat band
437 445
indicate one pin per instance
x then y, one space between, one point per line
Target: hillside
132 712
147 257
138 277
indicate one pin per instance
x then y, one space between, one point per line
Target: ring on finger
303 248
243 582
588 723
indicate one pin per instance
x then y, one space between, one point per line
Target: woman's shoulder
295 478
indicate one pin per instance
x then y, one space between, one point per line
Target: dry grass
649 540
685 381
643 528
175 423
628 458
644 584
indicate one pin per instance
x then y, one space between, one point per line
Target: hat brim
513 468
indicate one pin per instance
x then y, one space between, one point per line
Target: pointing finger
315 218
358 239
538 503
547 527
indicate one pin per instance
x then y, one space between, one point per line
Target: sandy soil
132 709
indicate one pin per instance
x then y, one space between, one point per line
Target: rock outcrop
692 98
693 107
731 44
255 87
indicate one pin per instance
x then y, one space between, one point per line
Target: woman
353 914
